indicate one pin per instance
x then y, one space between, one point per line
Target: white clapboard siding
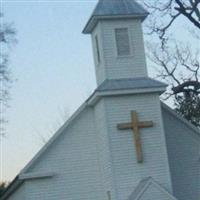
20 193
112 65
74 159
126 171
183 148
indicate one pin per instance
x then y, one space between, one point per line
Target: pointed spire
109 9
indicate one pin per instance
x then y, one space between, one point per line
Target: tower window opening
122 41
97 49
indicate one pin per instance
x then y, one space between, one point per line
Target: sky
53 72
52 67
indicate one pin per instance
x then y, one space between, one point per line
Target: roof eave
94 20
98 94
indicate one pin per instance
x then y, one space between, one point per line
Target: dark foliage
3 186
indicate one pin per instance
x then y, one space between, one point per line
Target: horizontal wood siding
124 66
184 157
111 65
74 159
19 194
127 171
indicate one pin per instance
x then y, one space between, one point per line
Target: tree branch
183 11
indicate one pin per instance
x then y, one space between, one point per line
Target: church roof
130 83
107 9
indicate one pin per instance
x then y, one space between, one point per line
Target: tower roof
109 9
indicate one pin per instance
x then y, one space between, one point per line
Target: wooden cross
135 125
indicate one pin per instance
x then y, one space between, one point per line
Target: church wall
104 148
73 158
183 149
127 172
127 66
19 194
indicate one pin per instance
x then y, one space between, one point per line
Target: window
97 49
122 41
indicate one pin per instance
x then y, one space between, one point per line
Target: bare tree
7 38
180 68
63 116
178 63
168 12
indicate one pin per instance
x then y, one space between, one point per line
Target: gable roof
106 9
144 185
140 187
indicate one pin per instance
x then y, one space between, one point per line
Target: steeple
117 39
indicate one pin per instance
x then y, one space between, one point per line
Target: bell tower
116 30
127 112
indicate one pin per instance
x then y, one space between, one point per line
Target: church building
123 143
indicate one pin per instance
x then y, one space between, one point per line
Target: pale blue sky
53 65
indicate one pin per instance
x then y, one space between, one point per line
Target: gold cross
135 125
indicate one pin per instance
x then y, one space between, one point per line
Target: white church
123 143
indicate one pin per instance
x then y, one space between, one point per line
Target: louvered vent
122 41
